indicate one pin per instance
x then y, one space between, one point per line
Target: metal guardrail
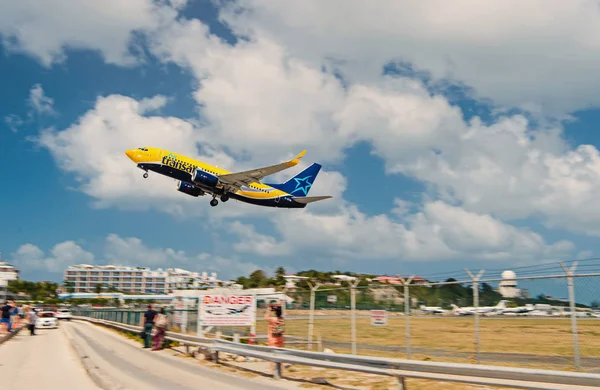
398 368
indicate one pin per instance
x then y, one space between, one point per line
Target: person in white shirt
32 318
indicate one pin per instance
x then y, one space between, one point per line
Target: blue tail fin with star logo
300 184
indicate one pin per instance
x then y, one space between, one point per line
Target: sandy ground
44 361
129 365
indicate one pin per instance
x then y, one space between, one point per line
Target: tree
98 288
279 280
69 285
487 295
257 278
279 272
595 304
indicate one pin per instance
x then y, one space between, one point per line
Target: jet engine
189 189
201 177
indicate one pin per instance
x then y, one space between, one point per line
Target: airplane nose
129 153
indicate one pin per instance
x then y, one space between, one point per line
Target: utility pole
353 285
570 272
311 318
476 280
406 283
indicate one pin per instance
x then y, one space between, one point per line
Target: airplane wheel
145 175
214 202
224 198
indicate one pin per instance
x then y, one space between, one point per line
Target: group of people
14 316
155 325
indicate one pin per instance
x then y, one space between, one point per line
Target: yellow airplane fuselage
182 168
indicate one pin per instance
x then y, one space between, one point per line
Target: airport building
508 286
85 278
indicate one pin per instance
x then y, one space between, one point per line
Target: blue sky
479 151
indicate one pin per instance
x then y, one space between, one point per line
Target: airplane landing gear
214 202
145 176
224 198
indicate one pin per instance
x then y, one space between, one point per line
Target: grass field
550 337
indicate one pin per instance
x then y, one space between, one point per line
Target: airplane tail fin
300 184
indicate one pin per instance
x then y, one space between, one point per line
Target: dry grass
519 335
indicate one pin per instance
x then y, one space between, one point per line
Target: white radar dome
508 275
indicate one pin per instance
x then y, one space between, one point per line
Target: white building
180 278
508 286
7 273
86 278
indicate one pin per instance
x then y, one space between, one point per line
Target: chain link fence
548 318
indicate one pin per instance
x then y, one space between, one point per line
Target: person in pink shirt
276 326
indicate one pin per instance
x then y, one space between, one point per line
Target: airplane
229 310
196 178
522 310
432 309
465 311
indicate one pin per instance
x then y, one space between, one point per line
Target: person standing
148 323
32 318
275 328
161 327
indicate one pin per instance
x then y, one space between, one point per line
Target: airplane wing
238 179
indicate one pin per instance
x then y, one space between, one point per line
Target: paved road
43 361
126 364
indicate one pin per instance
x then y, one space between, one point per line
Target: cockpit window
143 149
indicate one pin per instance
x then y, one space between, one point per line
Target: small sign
332 298
378 317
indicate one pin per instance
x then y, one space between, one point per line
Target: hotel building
133 280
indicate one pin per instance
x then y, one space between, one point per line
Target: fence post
311 318
570 272
476 280
353 285
277 373
405 284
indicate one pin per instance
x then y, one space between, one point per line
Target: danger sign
378 317
223 310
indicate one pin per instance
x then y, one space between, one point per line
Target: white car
46 319
64 314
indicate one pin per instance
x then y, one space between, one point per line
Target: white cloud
130 251
134 252
39 102
253 242
30 258
438 232
257 100
538 54
13 122
46 29
261 100
94 150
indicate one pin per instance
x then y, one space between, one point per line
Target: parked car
64 314
46 319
